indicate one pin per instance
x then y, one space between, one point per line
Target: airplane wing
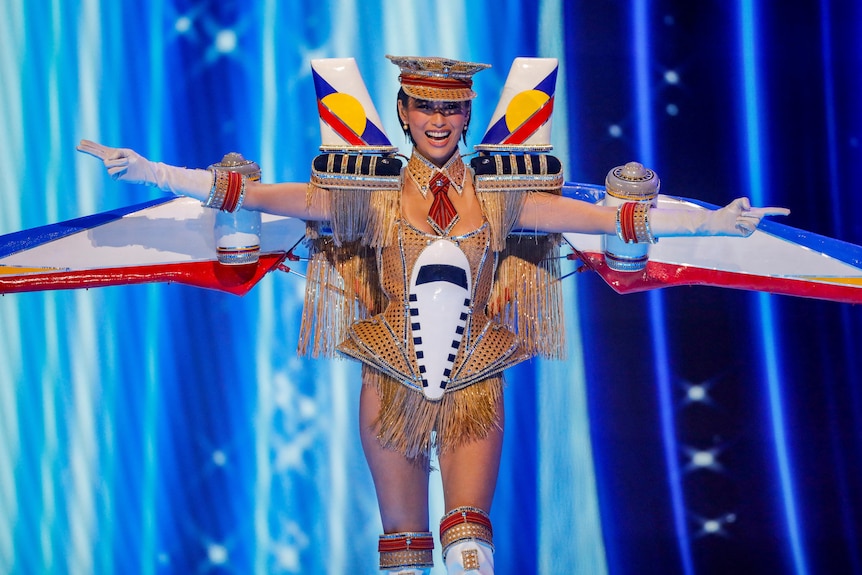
165 240
172 240
776 258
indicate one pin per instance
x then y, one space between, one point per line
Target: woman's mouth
438 136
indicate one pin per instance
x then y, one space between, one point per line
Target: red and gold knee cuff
406 549
465 523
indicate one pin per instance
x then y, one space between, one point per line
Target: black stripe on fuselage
442 273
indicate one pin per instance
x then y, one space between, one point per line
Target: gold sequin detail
421 170
465 531
470 559
407 558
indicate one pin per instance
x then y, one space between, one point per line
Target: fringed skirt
413 425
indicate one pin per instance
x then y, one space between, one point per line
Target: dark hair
405 99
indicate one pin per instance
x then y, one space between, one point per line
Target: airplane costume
451 323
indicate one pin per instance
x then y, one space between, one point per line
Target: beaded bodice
395 341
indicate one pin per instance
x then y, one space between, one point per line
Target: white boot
468 542
470 558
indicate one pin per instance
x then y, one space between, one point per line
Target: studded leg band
463 524
406 549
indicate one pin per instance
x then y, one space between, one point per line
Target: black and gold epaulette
356 171
521 171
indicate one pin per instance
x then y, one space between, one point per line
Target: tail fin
522 120
348 119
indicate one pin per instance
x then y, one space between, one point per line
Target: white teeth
437 134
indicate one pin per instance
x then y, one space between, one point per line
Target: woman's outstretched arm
550 213
286 199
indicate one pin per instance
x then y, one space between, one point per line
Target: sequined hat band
437 79
437 89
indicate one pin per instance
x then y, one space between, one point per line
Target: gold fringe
362 215
350 213
384 208
527 296
333 303
415 426
316 199
502 210
355 214
361 221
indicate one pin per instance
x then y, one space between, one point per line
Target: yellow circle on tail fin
522 106
348 109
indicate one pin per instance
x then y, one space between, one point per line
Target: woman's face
435 127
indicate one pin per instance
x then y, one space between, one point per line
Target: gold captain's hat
437 79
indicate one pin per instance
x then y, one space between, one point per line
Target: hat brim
433 94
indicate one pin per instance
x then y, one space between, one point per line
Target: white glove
128 166
738 218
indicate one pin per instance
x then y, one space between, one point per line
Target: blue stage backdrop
164 429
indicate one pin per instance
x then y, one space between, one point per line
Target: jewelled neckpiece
422 171
442 215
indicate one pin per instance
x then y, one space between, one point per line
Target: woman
420 393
